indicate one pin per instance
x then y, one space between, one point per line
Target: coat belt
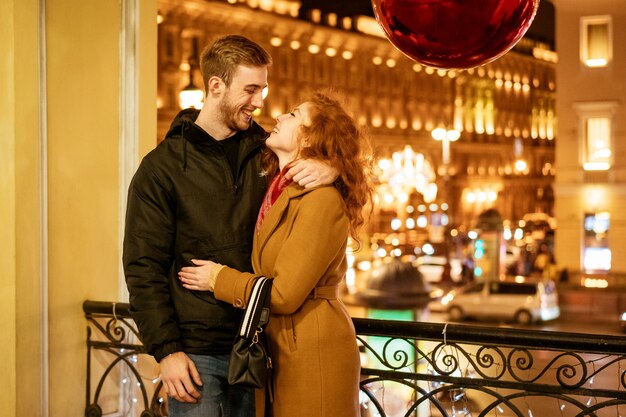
328 292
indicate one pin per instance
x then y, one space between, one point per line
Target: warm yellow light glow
441 134
295 45
391 62
364 265
316 15
331 18
405 173
520 165
191 97
377 60
369 26
597 62
595 283
384 164
275 112
266 5
330 52
422 221
596 166
347 55
276 41
313 48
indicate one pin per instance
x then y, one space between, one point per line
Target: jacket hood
184 116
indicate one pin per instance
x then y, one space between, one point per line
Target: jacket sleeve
147 257
318 234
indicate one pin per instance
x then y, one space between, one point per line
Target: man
197 195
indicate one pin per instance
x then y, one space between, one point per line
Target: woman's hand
200 277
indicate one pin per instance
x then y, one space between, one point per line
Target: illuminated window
596 134
596 41
596 252
598 143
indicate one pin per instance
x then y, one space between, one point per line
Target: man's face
243 96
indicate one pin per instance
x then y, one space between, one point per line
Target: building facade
590 187
505 111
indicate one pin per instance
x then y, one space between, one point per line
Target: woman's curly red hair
333 136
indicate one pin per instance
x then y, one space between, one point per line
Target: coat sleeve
318 234
234 287
147 258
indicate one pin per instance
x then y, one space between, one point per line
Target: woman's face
283 140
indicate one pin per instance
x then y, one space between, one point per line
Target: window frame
595 110
585 23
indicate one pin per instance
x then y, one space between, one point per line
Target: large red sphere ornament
454 34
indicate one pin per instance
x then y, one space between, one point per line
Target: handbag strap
258 309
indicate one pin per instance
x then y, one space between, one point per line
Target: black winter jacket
185 203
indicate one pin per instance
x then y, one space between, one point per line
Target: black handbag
250 360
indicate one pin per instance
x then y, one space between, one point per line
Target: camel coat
302 245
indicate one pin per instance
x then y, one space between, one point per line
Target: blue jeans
218 397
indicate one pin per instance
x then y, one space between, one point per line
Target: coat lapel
273 217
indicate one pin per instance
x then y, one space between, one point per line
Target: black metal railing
412 369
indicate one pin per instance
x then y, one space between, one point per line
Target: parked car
522 301
431 268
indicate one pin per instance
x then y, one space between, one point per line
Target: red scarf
279 183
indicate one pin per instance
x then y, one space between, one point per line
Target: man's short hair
222 56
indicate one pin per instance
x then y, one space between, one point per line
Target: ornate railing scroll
112 339
423 369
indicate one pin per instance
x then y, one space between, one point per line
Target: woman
300 241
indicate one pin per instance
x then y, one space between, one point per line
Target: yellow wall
83 135
82 71
20 180
83 128
7 209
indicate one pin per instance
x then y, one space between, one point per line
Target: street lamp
191 96
445 136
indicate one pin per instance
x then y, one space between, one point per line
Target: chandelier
405 173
